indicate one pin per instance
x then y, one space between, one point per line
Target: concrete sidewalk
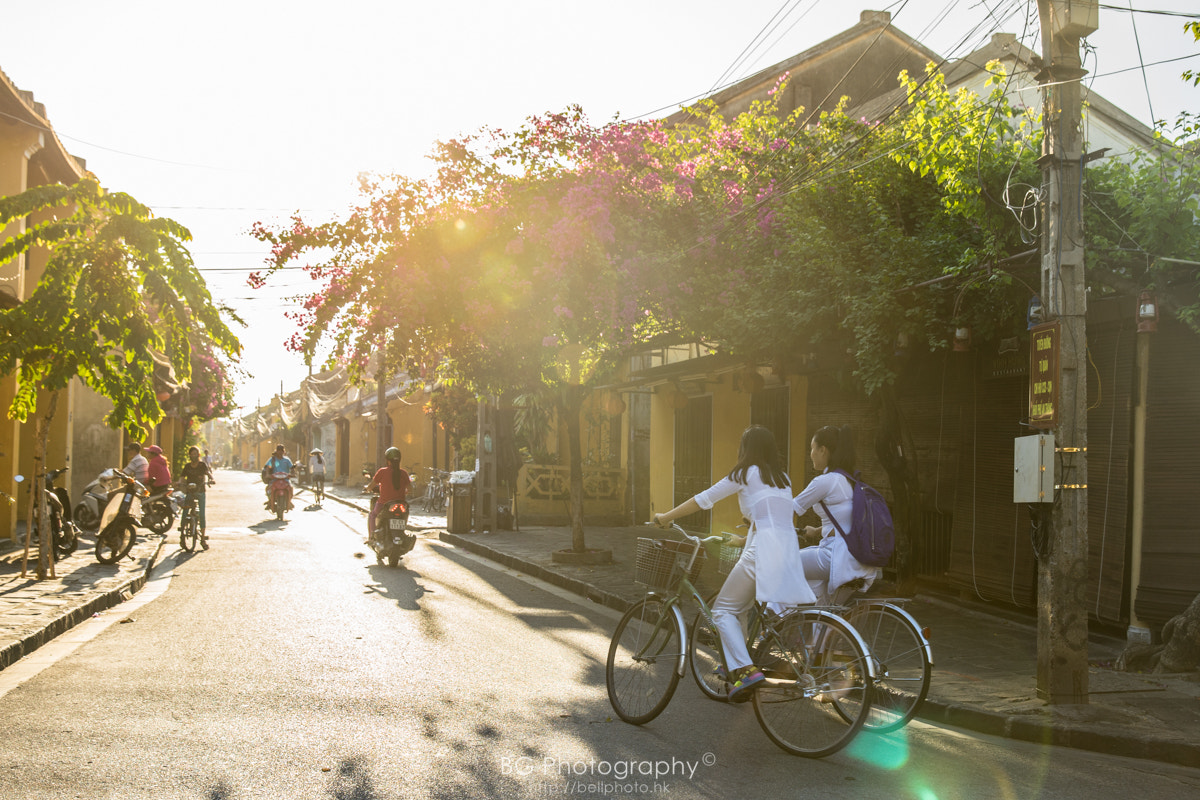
985 662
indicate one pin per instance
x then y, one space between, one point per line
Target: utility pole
1062 665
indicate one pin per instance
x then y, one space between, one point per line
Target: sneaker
744 680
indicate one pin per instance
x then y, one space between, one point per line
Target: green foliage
118 281
1141 222
456 410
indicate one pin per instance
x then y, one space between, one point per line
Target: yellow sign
1043 375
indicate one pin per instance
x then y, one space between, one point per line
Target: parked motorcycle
391 540
118 523
95 497
158 510
64 534
280 496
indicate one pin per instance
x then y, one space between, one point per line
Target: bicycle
189 523
899 649
901 654
436 490
817 692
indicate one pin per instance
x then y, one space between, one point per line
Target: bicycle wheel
113 542
645 660
189 531
704 658
818 688
903 666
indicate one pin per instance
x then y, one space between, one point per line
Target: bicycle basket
659 562
728 556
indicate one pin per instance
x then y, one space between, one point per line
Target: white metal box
1033 469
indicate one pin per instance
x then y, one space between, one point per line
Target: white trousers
817 561
729 609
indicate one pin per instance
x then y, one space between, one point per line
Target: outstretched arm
689 506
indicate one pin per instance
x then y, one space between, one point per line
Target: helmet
154 450
392 454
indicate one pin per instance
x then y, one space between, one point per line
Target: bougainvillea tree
523 264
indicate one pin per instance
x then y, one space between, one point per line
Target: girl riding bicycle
316 472
769 569
829 564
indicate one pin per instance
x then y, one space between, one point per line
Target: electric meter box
1033 469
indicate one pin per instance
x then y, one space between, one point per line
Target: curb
1040 731
607 599
83 611
992 723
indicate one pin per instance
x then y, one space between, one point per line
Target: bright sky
221 113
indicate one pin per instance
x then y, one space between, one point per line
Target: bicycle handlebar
675 526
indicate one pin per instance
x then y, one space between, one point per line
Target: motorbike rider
392 482
197 472
278 463
137 465
158 472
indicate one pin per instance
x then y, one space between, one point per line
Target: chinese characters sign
1043 375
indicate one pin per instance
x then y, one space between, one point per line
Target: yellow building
30 155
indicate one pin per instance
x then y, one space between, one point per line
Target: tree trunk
890 447
571 407
381 442
45 567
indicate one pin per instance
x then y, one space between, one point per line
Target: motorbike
280 495
95 497
391 540
64 534
158 510
118 523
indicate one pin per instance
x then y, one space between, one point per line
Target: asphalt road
283 663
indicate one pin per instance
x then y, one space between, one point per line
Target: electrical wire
1138 41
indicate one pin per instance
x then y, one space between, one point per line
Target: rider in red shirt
392 482
158 473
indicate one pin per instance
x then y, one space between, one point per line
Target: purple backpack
872 536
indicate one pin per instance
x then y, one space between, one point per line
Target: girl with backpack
769 569
828 565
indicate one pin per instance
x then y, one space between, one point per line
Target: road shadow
397 583
266 526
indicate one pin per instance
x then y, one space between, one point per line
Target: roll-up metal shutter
1111 350
1171 535
991 553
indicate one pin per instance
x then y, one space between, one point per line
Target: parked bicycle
817 692
437 487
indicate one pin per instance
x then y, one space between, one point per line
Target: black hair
320 458
394 464
840 444
758 449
